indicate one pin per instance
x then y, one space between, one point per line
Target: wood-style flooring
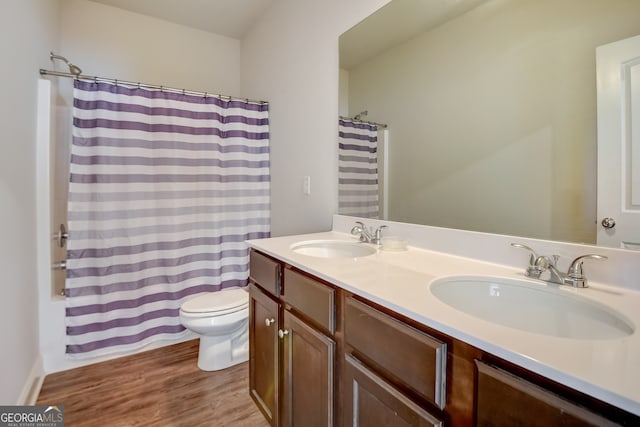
161 387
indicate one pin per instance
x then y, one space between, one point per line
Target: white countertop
605 369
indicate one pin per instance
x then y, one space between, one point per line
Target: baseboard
33 384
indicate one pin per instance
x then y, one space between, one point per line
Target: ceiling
231 18
395 23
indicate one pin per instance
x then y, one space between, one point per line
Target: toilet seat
218 303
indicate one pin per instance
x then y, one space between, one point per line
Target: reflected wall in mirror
491 111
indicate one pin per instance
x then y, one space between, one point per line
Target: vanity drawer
504 399
265 272
315 300
404 354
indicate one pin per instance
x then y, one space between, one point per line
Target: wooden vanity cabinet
292 350
320 356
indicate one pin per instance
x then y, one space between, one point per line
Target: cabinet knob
269 322
282 333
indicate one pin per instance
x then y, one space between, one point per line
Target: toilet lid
224 300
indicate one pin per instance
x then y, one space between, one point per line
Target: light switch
306 185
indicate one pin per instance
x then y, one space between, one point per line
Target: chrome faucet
366 235
540 263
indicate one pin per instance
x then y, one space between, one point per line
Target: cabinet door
504 399
308 371
371 401
264 372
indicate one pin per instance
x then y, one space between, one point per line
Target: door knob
61 236
62 265
268 321
282 333
608 222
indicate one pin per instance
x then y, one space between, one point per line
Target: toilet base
221 352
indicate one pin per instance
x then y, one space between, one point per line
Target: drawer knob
269 322
282 333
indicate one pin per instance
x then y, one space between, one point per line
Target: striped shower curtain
358 169
164 189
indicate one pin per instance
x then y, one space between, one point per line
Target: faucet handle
533 257
534 269
377 235
362 231
358 228
575 276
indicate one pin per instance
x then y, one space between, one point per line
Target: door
264 372
308 375
618 85
371 401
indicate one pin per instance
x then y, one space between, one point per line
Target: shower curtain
165 188
358 169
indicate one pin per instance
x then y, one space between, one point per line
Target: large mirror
490 107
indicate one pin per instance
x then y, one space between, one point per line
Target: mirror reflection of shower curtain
164 190
358 169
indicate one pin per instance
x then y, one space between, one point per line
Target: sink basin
332 249
531 307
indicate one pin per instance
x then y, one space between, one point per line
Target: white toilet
222 321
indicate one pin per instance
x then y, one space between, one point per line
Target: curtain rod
44 72
382 125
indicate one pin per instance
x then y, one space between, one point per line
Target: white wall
29 32
114 43
343 93
111 42
290 59
493 116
